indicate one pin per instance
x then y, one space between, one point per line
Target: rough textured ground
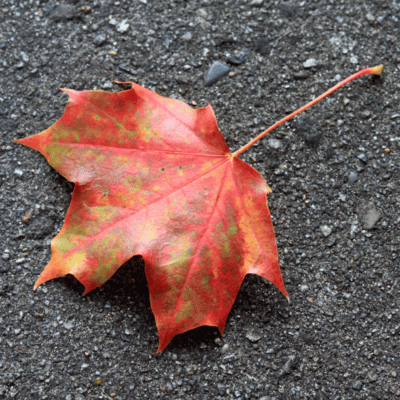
335 167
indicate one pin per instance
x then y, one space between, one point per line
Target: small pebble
370 17
100 39
354 60
329 314
48 8
288 10
289 365
326 230
126 69
63 12
303 288
311 62
187 36
365 114
225 348
123 26
4 267
353 177
274 143
254 335
370 218
25 57
217 71
239 58
300 75
372 377
362 157
201 12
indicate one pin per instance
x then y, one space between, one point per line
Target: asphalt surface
334 172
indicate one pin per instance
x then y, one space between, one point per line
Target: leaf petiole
366 71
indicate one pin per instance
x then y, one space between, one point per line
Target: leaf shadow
130 282
127 292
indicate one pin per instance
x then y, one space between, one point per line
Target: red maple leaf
155 177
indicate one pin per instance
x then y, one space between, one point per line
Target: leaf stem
366 71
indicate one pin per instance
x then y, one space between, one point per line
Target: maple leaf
154 177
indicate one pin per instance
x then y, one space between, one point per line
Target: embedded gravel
334 172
